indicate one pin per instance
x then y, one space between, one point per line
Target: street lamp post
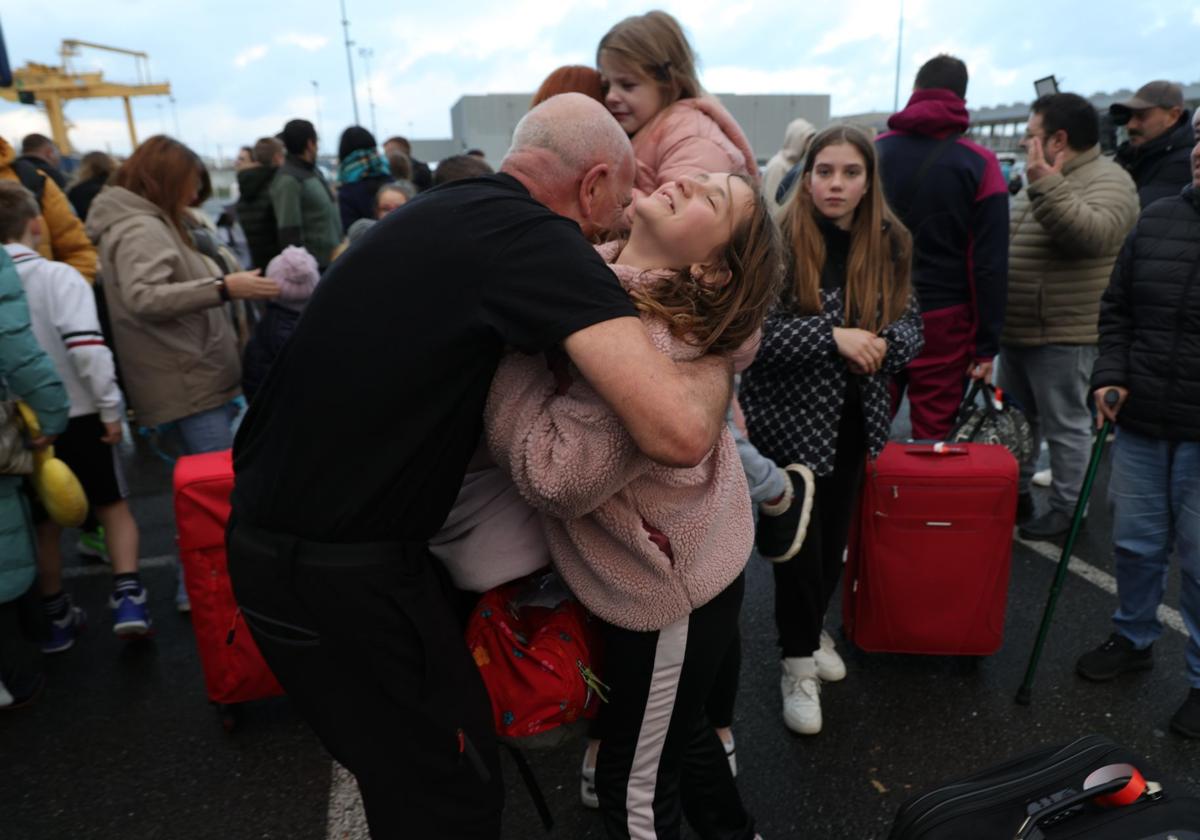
899 46
350 61
317 106
366 55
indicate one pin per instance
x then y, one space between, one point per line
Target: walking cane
1024 693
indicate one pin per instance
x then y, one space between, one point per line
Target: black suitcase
1041 796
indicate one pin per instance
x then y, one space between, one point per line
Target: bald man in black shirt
354 450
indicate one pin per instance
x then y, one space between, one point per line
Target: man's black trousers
364 640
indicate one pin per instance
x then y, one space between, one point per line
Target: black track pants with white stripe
660 758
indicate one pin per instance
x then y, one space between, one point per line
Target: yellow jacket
63 236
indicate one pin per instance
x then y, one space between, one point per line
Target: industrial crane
53 86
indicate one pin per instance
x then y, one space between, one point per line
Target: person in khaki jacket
64 239
1066 230
179 355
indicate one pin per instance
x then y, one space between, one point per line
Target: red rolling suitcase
929 554
234 670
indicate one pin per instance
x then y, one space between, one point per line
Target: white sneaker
830 667
587 783
1042 478
801 695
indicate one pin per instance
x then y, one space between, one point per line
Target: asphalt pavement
123 744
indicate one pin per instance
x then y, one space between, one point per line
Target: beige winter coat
1065 233
176 346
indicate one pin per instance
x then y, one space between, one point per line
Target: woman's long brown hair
878 272
164 172
721 317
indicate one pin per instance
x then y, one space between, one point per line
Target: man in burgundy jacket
950 194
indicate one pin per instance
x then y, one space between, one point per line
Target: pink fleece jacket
640 544
689 137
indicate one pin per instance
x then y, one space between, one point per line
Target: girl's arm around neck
566 452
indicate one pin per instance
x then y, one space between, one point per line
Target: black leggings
660 756
805 584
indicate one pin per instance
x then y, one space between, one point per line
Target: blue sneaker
131 619
64 630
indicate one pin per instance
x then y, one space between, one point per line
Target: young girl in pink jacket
656 553
648 71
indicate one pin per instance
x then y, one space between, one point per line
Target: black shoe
780 534
1024 507
1113 658
1049 525
1186 721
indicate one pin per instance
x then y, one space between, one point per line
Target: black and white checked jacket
792 395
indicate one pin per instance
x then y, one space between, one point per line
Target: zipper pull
593 682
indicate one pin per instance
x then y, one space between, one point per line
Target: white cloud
250 55
312 43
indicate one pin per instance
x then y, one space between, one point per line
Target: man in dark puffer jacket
1150 356
1157 153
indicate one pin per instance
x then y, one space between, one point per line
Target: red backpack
536 648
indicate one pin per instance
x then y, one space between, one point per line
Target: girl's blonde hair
720 317
654 43
95 165
878 284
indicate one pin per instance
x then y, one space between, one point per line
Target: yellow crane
53 86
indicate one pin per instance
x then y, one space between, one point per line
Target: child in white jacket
62 309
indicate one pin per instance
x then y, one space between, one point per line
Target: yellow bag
56 486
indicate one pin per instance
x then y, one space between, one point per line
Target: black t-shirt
365 424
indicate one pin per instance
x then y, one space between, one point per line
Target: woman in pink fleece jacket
656 553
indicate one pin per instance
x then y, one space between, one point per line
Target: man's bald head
574 158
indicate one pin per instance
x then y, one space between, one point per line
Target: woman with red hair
571 78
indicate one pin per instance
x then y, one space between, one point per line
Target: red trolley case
929 554
234 670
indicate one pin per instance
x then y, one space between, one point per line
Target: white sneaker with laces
830 667
801 689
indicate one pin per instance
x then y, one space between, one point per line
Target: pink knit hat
295 270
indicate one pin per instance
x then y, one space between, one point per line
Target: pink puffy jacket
640 544
687 138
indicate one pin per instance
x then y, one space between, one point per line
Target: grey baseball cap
1157 94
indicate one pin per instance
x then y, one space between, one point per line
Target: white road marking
1169 616
346 820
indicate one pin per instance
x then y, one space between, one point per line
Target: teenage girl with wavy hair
656 553
817 395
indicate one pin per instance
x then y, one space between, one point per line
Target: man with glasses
1067 228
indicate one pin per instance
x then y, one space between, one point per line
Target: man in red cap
1158 151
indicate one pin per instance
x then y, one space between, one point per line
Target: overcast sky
241 69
